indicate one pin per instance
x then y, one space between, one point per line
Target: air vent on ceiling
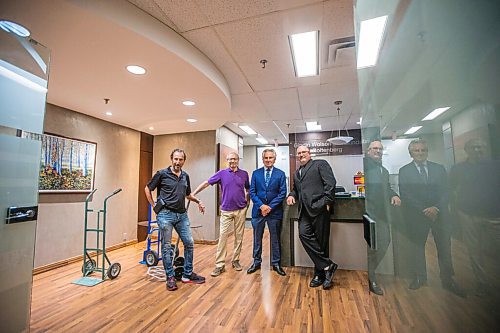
341 51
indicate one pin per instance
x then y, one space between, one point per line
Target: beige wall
61 216
200 164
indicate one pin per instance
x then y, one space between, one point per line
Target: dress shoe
417 283
279 270
453 287
328 283
316 281
252 269
375 288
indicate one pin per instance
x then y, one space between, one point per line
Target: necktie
423 173
268 176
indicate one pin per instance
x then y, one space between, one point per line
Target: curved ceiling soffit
131 17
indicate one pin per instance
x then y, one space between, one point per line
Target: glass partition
23 90
430 124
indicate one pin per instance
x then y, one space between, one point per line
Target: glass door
430 124
23 90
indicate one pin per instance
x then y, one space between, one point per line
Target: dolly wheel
88 267
179 261
178 271
151 258
114 270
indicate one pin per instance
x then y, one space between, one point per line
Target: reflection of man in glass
378 197
424 195
475 185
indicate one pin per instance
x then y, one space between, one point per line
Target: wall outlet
124 236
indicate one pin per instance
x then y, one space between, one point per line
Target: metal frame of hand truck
90 265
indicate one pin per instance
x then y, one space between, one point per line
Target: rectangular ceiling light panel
305 53
434 114
413 129
370 39
248 130
313 126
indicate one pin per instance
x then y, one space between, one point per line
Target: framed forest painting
66 165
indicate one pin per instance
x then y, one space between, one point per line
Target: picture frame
66 165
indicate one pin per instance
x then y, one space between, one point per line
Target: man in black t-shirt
173 187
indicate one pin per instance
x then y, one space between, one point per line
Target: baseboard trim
61 263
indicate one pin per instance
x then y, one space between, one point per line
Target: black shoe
453 287
328 283
417 283
254 268
375 288
316 281
279 270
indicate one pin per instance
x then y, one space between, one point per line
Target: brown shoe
218 271
237 266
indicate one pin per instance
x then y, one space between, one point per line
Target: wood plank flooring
238 302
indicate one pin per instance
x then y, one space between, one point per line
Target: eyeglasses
232 159
376 148
423 150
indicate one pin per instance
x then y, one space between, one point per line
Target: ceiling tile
207 41
281 104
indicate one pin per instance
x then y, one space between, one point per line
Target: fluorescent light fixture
14 28
191 120
413 129
188 103
436 113
248 130
305 53
109 113
313 126
151 128
262 140
138 70
370 40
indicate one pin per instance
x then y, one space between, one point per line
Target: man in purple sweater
234 184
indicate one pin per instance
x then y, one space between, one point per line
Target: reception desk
347 245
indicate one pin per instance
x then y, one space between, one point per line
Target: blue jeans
258 224
168 220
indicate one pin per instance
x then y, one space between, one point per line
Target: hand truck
91 265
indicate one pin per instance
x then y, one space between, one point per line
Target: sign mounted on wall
318 145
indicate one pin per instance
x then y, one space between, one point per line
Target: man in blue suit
267 191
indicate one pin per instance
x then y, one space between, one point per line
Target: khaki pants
236 217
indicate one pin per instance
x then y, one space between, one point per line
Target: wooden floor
238 302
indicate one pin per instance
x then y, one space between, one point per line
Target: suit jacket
416 195
378 190
272 195
315 188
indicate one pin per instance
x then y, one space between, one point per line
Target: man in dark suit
314 190
379 195
424 194
267 191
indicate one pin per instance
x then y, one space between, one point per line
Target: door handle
21 214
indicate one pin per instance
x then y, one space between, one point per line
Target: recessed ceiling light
313 126
413 129
151 128
109 113
370 40
14 28
262 140
436 113
248 130
188 103
305 53
191 120
138 70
